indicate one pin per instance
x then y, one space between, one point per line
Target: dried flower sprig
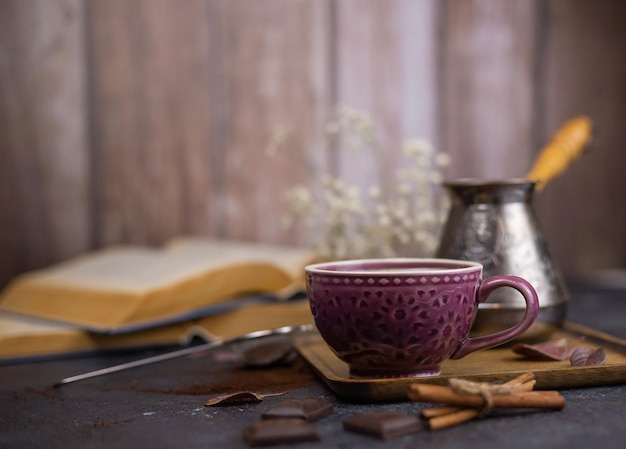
378 222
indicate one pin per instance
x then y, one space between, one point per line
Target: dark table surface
161 406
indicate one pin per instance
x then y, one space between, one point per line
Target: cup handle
484 290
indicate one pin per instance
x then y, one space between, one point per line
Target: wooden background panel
151 85
386 68
487 95
274 56
44 176
584 72
141 120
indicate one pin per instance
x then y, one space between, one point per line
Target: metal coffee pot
494 223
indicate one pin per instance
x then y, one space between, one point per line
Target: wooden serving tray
491 365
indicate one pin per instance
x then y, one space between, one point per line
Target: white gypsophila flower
417 147
336 184
404 188
353 204
331 199
442 159
279 136
384 220
407 222
374 192
428 218
327 181
425 147
381 209
401 206
403 237
352 192
423 162
333 128
409 148
436 178
299 198
354 145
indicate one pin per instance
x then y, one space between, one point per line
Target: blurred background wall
133 121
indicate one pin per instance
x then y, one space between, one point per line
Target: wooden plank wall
45 182
584 71
137 120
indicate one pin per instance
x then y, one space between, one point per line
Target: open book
129 288
127 297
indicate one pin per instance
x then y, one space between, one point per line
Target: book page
125 286
138 269
290 259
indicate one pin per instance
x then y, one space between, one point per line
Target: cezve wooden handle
566 145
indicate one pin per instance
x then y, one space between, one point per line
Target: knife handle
566 145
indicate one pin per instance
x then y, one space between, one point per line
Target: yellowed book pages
125 286
254 318
24 337
28 338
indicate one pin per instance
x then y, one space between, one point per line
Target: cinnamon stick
434 412
450 415
526 382
446 395
459 416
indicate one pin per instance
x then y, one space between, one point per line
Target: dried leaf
550 350
583 356
240 397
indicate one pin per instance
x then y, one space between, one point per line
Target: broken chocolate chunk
307 409
280 431
583 356
383 425
269 354
550 350
240 397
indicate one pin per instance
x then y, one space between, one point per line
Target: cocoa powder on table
235 378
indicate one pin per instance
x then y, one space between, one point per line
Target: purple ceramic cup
404 317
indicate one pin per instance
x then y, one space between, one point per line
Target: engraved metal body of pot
494 223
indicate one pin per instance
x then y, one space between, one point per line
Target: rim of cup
396 265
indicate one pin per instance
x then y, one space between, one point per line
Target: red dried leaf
240 397
549 350
588 357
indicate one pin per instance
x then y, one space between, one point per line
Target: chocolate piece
280 431
383 425
308 409
269 354
240 397
587 357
